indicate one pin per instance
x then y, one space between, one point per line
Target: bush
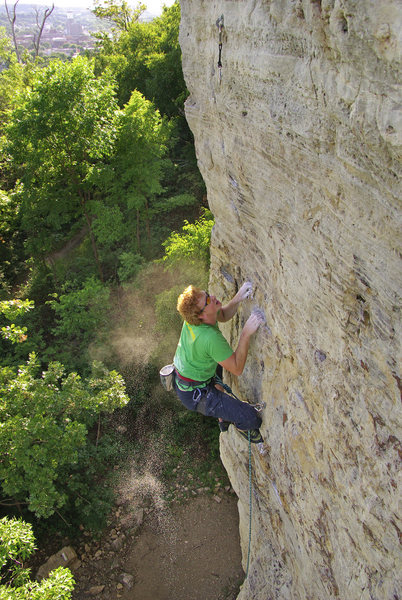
44 421
17 543
193 244
130 265
80 312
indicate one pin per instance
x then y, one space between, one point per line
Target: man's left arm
227 311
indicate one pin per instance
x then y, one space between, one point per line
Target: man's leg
223 406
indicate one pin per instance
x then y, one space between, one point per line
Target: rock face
299 141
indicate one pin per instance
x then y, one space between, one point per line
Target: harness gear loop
220 25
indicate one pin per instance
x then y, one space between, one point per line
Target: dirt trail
191 553
188 551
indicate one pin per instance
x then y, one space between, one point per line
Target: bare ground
186 551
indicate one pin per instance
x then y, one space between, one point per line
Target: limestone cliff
299 140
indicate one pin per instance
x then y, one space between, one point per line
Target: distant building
73 28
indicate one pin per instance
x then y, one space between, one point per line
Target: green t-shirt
200 349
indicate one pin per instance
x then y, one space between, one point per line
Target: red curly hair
187 305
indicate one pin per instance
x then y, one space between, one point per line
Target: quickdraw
220 25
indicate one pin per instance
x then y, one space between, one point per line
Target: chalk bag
167 377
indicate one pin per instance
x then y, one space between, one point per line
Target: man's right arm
235 363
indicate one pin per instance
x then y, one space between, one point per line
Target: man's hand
235 363
256 319
230 308
245 291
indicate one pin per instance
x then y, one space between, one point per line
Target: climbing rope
250 484
219 24
250 502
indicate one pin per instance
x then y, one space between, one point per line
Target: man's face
209 307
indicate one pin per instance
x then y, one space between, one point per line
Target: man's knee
251 418
256 420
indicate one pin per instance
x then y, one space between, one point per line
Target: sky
153 6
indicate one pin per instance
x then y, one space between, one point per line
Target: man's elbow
232 365
236 369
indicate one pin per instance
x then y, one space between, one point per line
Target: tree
118 13
81 158
12 18
59 138
192 244
12 309
17 543
41 18
147 57
137 165
44 421
14 77
80 312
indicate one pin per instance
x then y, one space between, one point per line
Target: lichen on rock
299 141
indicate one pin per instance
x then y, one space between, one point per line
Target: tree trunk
147 221
93 242
41 25
12 18
138 230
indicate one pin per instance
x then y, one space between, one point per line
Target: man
202 348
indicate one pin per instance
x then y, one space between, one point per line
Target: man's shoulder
211 329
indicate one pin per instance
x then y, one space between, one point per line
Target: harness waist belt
192 381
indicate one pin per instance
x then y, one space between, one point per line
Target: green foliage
178 201
80 312
81 160
17 543
165 83
130 265
137 165
44 423
12 309
147 57
14 78
109 227
118 13
11 239
59 134
192 244
58 586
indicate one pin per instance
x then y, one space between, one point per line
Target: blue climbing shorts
211 402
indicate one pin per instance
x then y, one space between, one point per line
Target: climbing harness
220 25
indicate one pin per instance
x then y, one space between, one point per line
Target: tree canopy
97 168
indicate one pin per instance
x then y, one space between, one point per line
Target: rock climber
202 349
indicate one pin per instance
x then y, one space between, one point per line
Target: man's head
197 306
